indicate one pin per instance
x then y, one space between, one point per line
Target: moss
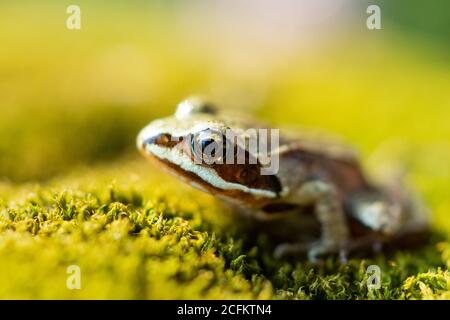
134 240
428 285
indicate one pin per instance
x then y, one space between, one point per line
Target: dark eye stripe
163 139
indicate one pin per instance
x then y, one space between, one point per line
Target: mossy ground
75 191
134 237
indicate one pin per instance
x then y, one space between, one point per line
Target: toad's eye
206 143
208 147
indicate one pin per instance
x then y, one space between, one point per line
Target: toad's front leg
330 214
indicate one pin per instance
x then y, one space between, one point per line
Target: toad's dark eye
208 146
209 143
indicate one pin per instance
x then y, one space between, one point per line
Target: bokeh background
75 100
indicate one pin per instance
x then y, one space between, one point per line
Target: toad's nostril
144 140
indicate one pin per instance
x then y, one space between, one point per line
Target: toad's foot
315 251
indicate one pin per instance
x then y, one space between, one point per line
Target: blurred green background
79 96
75 100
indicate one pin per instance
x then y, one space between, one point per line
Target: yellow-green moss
135 238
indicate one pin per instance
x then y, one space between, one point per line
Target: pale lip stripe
176 157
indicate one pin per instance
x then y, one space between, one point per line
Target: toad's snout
148 136
152 136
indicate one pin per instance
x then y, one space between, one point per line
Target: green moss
132 239
428 285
